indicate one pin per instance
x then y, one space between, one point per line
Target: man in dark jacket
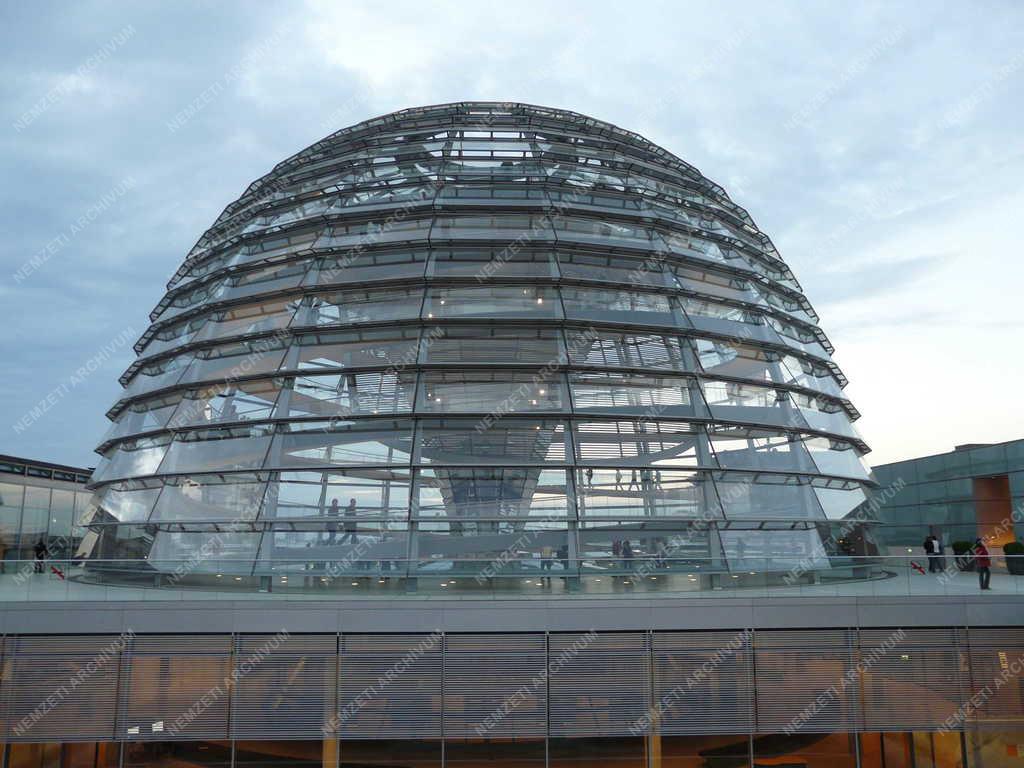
931 551
41 553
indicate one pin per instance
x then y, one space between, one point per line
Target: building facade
492 434
976 490
40 501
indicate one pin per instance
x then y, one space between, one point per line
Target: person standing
627 555
350 523
41 554
563 557
931 552
984 563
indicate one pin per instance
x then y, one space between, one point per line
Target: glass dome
488 341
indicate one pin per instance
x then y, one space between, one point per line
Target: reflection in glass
749 448
211 497
144 416
128 502
132 458
491 493
767 497
208 450
814 750
364 266
623 306
227 404
230 361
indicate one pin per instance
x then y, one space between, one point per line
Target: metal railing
504 576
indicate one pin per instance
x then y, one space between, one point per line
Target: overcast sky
878 144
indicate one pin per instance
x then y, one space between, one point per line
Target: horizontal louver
703 682
495 686
599 684
911 679
806 681
995 698
285 686
60 688
68 688
390 686
175 687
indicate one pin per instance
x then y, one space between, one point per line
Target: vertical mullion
547 700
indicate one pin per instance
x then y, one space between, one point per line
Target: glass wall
31 515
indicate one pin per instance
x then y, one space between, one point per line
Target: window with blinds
996 689
703 682
284 688
390 686
916 685
495 686
806 681
60 688
599 684
509 685
175 687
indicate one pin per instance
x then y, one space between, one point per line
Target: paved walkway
900 581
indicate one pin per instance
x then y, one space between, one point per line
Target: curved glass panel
607 349
491 441
492 265
767 497
621 306
497 392
747 448
227 404
340 395
342 494
505 302
338 442
633 394
630 492
231 361
369 306
640 443
129 502
492 344
214 498
132 458
206 450
367 348
490 494
144 416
